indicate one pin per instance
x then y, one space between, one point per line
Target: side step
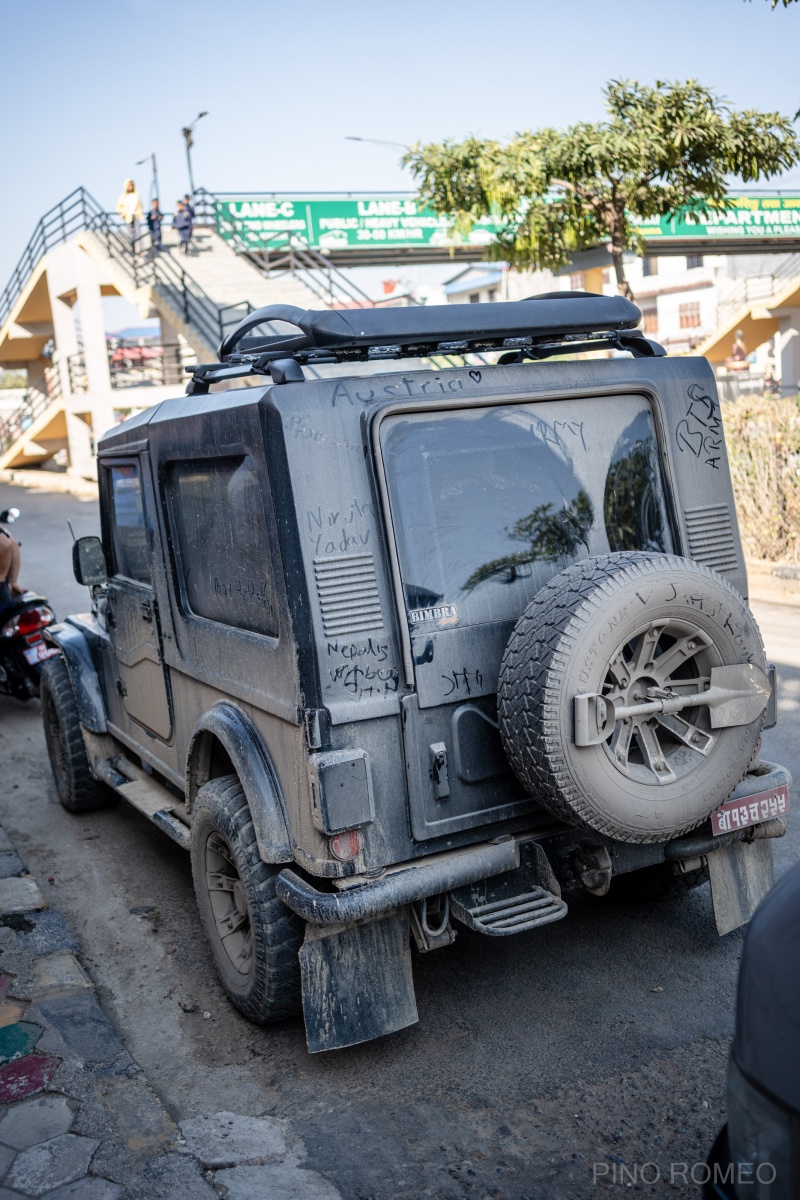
514 914
150 797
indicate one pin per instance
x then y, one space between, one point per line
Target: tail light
30 620
347 846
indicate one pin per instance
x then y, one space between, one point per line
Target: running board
151 798
515 914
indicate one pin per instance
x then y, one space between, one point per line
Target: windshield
489 503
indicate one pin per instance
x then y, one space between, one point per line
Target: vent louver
348 594
711 537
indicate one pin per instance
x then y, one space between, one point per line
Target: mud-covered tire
77 790
254 937
585 620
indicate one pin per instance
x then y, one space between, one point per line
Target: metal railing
141 362
77 379
31 406
757 288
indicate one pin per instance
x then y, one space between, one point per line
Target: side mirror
8 516
89 561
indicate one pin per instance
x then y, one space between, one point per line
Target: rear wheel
77 790
254 938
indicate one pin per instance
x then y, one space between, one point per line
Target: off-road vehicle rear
394 651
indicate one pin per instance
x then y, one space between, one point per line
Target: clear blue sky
91 87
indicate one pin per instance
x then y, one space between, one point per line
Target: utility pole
151 158
187 132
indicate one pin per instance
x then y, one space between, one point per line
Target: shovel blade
749 691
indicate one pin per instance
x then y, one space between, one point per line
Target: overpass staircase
201 295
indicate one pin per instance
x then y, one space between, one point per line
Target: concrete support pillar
787 352
95 348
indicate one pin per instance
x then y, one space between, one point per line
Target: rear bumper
398 885
438 873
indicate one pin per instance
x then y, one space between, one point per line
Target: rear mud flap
357 981
740 875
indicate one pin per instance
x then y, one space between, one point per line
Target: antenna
72 531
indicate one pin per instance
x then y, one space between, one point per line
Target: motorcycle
22 649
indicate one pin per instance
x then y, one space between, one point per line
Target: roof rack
536 328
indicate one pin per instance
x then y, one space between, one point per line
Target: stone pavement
78 1120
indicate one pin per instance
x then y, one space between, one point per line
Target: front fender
82 675
252 763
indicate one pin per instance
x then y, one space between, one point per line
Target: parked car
757 1154
400 652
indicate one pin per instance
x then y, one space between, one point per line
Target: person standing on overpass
129 207
183 223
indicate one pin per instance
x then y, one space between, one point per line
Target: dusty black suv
393 650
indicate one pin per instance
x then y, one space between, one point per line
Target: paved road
535 1057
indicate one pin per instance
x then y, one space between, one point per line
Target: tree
663 148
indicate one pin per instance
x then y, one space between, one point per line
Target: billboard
350 222
747 217
340 223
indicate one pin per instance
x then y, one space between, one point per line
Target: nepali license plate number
39 653
739 814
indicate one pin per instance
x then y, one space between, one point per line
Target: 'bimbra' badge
441 615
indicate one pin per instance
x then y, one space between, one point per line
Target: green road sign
751 216
379 224
339 223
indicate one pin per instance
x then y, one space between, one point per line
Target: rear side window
220 537
128 532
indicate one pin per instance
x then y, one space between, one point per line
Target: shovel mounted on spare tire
632 694
735 696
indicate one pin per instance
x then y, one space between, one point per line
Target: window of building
693 261
474 297
223 560
607 277
491 294
651 322
128 532
689 314
577 281
649 265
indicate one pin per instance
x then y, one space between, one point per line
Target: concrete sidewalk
78 1120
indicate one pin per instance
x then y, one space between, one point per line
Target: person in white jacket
129 207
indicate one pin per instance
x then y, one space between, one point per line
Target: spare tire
627 626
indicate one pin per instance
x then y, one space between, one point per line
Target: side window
128 532
220 536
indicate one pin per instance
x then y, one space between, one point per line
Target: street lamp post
151 158
187 132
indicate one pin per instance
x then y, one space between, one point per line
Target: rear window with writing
217 512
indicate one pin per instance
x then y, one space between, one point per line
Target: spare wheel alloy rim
662 658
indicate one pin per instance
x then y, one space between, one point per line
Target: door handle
146 610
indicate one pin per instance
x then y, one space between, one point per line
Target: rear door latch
441 783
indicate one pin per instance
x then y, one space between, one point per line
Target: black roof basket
539 327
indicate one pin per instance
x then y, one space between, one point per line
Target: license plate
739 814
39 652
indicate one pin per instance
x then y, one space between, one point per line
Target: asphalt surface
551 1064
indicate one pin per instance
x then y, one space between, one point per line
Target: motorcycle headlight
760 1136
